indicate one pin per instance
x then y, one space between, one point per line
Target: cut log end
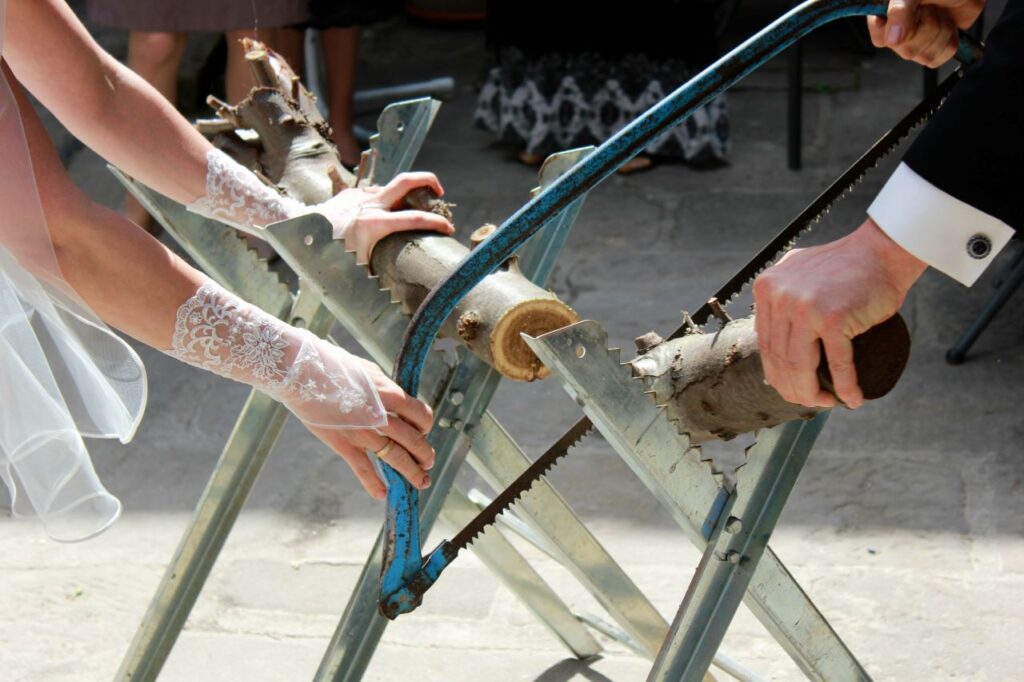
880 355
509 353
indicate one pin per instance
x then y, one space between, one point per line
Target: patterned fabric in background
554 101
573 73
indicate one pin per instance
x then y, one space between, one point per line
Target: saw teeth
460 543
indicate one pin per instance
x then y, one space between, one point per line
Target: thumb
901 21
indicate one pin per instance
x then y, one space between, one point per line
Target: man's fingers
900 22
925 31
804 357
839 351
763 326
942 45
876 29
963 12
780 375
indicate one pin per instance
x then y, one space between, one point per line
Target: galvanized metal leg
497 457
251 441
732 554
512 569
361 626
652 447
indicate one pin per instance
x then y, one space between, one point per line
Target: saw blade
845 183
489 514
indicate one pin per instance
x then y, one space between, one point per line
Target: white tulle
63 373
321 383
235 196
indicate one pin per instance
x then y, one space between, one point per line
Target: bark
713 386
490 319
295 151
278 133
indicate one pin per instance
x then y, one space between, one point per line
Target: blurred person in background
158 31
566 74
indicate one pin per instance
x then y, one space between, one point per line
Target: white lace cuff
322 384
234 195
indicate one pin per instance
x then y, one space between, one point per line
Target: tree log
490 319
296 156
296 153
712 385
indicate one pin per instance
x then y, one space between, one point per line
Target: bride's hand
364 216
401 443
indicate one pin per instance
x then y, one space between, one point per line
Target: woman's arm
130 124
102 102
137 285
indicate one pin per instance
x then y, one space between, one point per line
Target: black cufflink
979 246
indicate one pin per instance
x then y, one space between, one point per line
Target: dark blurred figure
569 74
339 22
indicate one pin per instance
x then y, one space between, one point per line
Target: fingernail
895 35
426 482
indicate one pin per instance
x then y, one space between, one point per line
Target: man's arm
954 201
952 205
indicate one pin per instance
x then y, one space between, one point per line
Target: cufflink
979 246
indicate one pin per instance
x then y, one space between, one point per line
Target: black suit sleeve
973 149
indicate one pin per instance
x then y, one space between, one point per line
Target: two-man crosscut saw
406 575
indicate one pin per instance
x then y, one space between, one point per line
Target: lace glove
344 400
360 216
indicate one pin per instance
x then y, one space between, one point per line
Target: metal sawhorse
333 288
733 530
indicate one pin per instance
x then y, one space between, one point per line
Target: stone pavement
906 527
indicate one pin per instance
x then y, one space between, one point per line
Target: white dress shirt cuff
946 233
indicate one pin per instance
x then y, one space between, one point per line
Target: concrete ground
906 527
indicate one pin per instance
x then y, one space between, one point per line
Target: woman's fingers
373 224
411 439
406 408
358 461
403 183
900 22
397 402
383 223
394 454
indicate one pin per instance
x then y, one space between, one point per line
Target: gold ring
386 449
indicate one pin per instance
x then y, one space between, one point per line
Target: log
295 155
712 385
490 319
